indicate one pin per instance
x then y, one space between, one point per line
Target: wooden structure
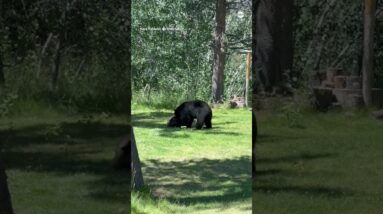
248 67
237 102
332 88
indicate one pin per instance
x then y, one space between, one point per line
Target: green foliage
87 41
323 30
330 33
172 48
378 44
7 102
158 99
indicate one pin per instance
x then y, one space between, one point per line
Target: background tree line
323 34
330 33
170 65
178 63
69 53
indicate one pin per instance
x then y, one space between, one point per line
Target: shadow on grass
149 120
200 181
61 133
39 149
295 158
264 138
271 180
151 115
215 131
115 187
306 191
224 123
171 132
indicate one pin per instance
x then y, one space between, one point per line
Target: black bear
188 111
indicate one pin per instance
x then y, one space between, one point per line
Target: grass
61 163
332 164
194 171
306 163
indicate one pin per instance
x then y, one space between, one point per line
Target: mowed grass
334 164
59 163
194 171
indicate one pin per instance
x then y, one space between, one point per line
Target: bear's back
192 106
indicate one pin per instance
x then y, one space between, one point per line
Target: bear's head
174 122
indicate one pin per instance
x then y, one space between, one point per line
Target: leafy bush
7 102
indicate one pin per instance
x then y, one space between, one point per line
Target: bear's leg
189 124
188 121
208 123
200 120
204 118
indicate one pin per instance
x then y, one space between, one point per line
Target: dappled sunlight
207 170
326 167
65 161
200 181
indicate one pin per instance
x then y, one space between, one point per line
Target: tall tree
254 140
368 44
219 52
2 76
2 24
136 172
137 178
274 44
5 197
253 76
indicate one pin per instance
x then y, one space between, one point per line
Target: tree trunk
129 60
138 180
254 84
2 76
368 44
5 197
254 140
56 65
42 54
274 44
219 52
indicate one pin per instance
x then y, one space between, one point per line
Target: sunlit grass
194 171
58 163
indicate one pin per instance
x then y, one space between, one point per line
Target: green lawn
334 164
61 163
194 171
